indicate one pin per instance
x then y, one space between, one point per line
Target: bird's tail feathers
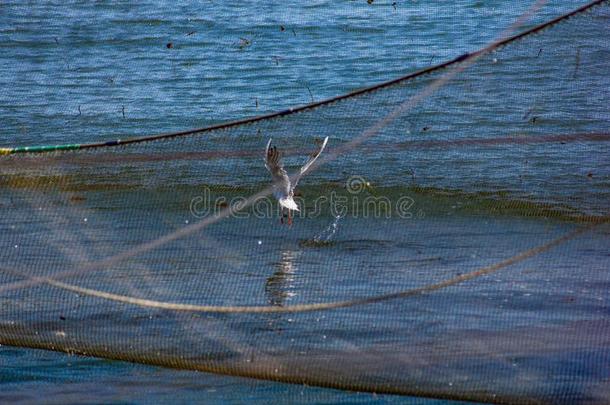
289 203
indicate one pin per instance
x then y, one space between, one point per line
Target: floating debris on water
244 43
316 243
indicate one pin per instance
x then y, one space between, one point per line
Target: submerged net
450 245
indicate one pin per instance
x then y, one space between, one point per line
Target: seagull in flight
283 188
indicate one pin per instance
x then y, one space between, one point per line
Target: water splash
327 234
325 237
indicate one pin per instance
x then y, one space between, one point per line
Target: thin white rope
319 306
331 155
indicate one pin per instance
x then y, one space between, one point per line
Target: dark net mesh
451 243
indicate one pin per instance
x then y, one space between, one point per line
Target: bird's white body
283 188
288 202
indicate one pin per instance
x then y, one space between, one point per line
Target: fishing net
452 240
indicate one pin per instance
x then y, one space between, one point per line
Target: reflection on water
280 286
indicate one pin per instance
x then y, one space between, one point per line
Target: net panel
459 252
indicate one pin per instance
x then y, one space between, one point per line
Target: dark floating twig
310 94
539 52
294 32
123 111
244 42
191 33
79 111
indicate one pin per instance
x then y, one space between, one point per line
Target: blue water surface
85 71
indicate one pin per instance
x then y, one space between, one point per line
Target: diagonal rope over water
322 306
372 385
461 63
504 39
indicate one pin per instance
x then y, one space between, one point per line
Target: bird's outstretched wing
274 165
307 165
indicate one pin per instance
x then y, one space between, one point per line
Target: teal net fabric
459 251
